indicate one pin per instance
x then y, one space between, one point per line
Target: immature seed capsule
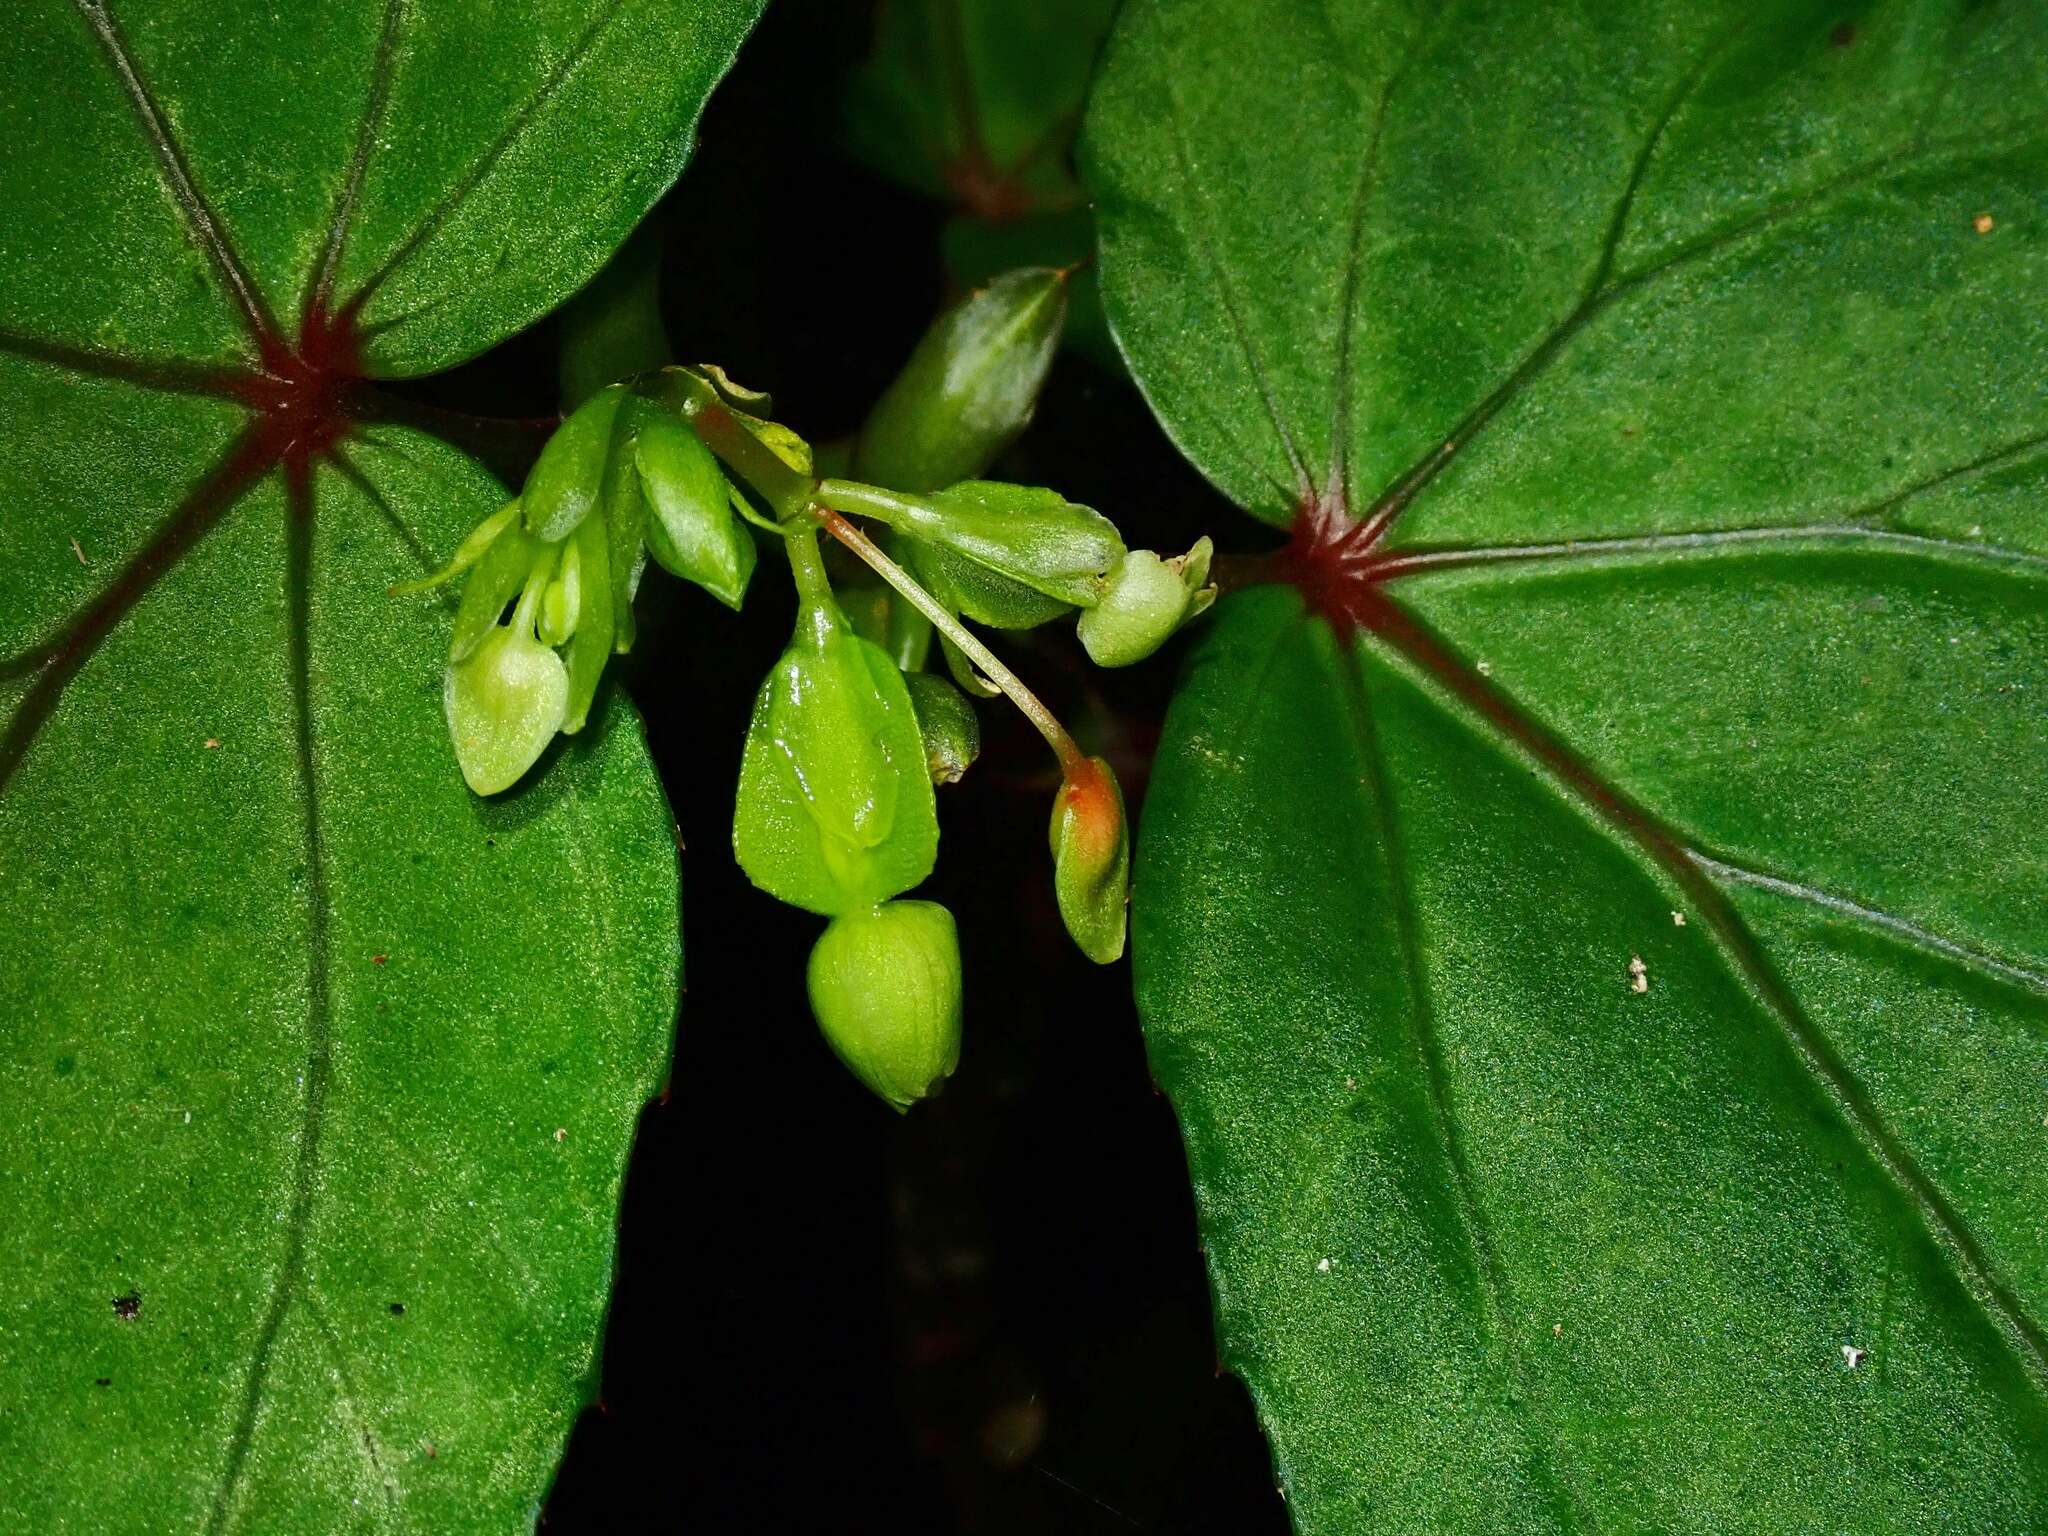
885 988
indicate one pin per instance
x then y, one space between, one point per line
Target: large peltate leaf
1594 922
318 1072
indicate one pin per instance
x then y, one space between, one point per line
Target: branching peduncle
1072 760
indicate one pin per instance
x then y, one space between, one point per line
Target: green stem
786 490
530 595
856 500
1072 760
807 565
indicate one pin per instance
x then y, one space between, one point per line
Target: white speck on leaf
1853 1357
1638 974
1322 1266
1678 919
1486 669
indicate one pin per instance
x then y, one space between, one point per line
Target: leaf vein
564 70
2003 1309
53 665
414 544
1339 483
383 68
1551 1464
1412 482
200 217
1916 934
1410 563
171 377
319 1011
1232 306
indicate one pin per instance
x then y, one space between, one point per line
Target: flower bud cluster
850 734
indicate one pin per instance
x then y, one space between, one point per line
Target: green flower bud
566 482
692 532
885 988
1091 850
969 386
980 593
622 508
1146 600
506 697
1009 556
948 723
835 809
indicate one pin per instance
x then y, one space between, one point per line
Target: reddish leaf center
304 392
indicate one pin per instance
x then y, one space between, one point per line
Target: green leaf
977 99
1594 927
320 1071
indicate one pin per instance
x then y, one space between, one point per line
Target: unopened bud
1091 850
1145 601
948 723
835 809
692 532
885 988
566 481
1030 534
969 387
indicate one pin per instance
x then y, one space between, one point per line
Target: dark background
989 1315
